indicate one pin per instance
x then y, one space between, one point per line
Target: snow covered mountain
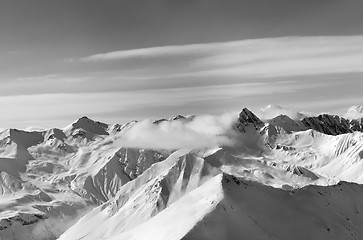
285 177
354 112
61 173
271 111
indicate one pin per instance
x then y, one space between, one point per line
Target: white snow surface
354 112
282 181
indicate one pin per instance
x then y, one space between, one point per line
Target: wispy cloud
54 78
146 53
270 57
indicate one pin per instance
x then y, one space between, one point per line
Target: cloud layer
194 133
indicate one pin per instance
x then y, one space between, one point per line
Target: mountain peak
271 111
354 112
177 117
286 123
23 138
84 119
248 118
87 125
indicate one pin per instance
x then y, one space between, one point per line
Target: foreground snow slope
227 207
250 210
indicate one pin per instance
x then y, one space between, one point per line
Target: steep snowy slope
140 200
226 207
339 157
106 171
249 210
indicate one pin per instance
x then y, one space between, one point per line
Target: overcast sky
120 60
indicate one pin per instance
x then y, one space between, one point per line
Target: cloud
153 52
270 57
200 132
53 78
271 111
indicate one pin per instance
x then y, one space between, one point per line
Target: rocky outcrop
332 124
23 219
247 120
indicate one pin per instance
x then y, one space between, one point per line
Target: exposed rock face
85 128
357 125
175 118
23 219
248 120
332 124
301 171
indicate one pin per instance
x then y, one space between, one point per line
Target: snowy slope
226 207
338 157
249 210
138 201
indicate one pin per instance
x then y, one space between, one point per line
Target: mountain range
246 176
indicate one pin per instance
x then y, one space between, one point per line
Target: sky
122 60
